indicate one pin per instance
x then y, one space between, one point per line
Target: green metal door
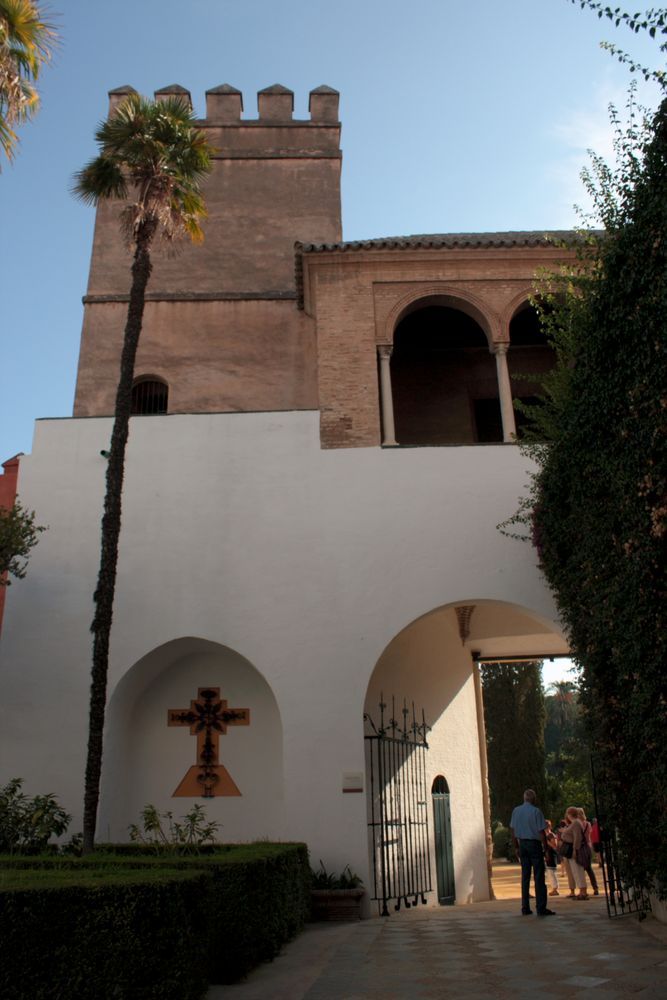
444 860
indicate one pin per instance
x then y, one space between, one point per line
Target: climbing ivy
598 510
653 21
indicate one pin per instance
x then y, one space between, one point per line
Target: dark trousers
532 860
591 875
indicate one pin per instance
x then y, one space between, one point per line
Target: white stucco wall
238 530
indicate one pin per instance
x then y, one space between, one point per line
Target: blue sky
467 116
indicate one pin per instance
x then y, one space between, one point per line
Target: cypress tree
514 716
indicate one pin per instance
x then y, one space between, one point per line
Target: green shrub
320 878
101 935
502 843
188 835
27 825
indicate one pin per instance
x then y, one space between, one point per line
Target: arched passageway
432 664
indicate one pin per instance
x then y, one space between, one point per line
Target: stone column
484 768
504 391
386 399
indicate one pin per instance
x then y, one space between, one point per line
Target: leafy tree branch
18 535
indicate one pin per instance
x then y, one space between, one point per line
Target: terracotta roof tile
447 240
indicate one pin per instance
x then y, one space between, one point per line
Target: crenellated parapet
224 104
273 133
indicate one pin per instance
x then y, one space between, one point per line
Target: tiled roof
436 241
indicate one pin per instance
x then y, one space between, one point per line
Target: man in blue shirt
527 829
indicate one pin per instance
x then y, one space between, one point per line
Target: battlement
221 325
224 105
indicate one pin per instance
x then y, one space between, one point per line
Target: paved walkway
476 952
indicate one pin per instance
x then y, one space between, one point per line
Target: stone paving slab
470 952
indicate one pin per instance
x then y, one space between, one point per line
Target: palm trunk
111 521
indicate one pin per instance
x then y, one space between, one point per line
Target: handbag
566 850
583 857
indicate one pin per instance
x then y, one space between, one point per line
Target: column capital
385 351
500 348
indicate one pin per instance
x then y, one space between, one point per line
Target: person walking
527 827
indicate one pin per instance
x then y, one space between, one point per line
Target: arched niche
146 759
444 382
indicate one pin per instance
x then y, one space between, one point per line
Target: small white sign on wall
353 781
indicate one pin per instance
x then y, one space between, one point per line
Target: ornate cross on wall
207 717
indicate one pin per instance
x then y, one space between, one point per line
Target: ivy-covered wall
600 513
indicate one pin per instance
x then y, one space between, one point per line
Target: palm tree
564 694
152 156
26 43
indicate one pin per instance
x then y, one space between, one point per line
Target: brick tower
221 328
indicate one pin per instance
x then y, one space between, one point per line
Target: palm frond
101 178
152 154
8 139
23 25
27 41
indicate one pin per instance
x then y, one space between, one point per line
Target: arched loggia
443 377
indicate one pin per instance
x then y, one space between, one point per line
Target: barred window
149 397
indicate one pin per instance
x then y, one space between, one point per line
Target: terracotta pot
336 904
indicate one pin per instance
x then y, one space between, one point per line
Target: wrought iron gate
622 895
398 807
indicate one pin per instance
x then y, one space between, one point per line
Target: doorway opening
444 855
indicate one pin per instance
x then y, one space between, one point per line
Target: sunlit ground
506 881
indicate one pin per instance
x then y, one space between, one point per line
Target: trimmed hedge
257 895
137 935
